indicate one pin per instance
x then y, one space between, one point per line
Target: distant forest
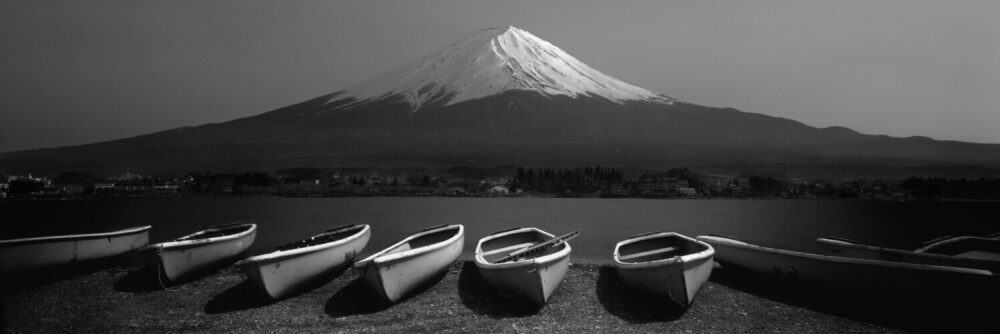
583 181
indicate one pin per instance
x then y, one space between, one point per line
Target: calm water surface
792 224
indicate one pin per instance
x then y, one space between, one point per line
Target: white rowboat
294 265
189 255
29 254
901 284
397 270
849 248
533 277
668 264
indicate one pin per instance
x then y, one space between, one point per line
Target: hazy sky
75 72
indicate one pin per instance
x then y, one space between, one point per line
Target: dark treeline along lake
792 224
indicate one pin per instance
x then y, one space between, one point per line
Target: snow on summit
491 61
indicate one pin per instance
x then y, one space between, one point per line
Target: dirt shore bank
591 299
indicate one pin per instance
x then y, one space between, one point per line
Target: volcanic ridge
505 97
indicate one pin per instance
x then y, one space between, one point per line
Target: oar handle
548 243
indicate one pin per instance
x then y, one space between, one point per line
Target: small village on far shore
473 182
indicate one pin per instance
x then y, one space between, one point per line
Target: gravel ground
591 299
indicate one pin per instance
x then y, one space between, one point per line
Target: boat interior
498 248
424 240
325 237
975 248
659 248
217 231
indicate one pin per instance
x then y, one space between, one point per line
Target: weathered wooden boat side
668 264
848 248
282 272
535 277
969 247
29 254
907 285
184 257
395 271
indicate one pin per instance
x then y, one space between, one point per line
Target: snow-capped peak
489 62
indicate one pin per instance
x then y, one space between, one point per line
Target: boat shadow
630 304
245 296
841 302
357 298
142 279
145 279
242 296
484 299
40 277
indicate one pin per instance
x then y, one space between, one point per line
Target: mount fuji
504 97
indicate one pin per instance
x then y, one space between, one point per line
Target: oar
538 247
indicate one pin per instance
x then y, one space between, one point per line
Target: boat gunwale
279 255
72 237
847 243
708 253
949 240
174 244
724 241
381 257
545 259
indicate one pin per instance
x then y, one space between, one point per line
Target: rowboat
902 284
968 247
849 248
296 264
187 256
533 276
395 271
667 264
29 254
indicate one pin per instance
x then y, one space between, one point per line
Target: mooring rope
159 273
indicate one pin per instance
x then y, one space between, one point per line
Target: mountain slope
492 61
503 96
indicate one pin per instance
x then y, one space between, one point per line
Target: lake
792 224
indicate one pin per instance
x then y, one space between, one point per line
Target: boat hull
902 285
533 279
177 261
394 275
846 248
677 278
280 273
31 254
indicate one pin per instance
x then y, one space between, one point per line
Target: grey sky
75 72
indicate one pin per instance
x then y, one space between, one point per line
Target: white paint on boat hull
396 271
280 273
28 254
677 278
919 286
179 260
534 279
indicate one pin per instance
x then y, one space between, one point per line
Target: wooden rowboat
968 247
533 276
187 256
668 264
901 284
30 254
849 248
397 270
296 264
